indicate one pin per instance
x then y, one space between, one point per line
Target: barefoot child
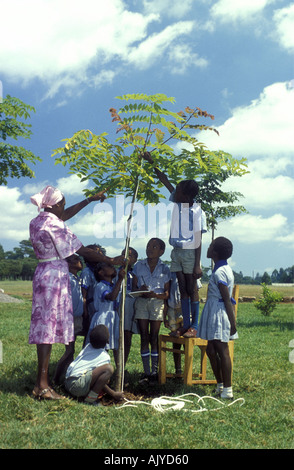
88 375
217 323
152 275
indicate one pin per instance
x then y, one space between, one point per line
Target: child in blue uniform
218 323
106 303
88 283
130 324
153 276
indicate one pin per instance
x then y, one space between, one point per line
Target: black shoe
144 380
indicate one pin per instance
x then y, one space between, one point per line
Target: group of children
155 294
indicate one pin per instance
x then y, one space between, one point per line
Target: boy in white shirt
88 375
187 225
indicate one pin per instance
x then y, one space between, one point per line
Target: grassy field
263 377
24 289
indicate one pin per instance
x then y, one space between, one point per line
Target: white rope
165 403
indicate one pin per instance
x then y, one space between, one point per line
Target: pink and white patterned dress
52 311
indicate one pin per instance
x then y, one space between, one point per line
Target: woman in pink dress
52 312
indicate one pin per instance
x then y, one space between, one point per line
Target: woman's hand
98 197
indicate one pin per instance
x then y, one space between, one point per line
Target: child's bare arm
115 291
224 291
163 296
161 176
197 271
116 395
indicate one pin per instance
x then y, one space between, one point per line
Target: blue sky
232 58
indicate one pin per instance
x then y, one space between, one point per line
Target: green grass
263 377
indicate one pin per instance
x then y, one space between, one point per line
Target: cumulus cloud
251 229
242 10
168 7
264 127
69 43
154 46
65 36
284 23
263 193
15 221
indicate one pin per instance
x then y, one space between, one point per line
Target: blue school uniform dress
106 313
130 323
88 283
214 321
77 302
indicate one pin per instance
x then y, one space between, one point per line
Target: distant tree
266 279
15 160
275 276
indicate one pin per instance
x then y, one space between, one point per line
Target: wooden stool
189 343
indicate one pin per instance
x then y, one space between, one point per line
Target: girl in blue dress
106 304
217 323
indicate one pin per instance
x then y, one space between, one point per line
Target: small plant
268 302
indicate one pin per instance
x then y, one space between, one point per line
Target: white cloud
71 185
168 7
250 229
284 22
48 39
238 10
154 46
15 220
183 58
265 127
264 188
69 43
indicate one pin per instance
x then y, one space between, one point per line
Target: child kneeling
88 375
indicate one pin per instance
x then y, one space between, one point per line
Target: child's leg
225 362
145 353
100 377
195 306
64 362
177 359
214 361
154 331
191 288
185 299
127 343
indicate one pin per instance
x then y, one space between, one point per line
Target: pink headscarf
48 197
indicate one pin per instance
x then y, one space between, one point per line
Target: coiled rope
165 403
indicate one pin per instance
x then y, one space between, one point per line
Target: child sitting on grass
88 375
